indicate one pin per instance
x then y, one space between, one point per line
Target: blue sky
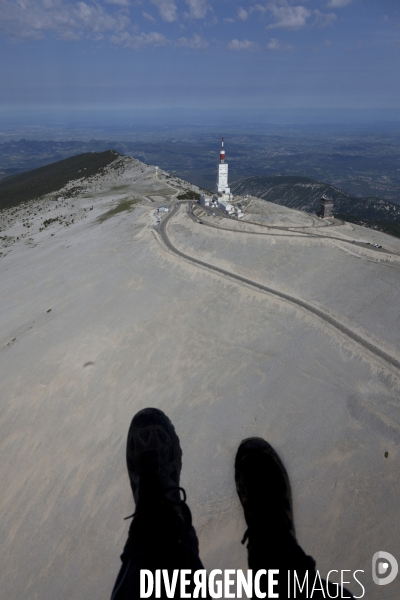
200 53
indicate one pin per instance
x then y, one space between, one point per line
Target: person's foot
161 534
264 490
154 458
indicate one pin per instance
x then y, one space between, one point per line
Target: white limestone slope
99 320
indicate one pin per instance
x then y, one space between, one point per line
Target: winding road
293 229
292 299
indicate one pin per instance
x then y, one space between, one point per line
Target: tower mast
222 180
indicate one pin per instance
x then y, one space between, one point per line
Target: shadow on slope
45 180
124 205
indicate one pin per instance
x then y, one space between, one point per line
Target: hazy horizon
201 54
84 124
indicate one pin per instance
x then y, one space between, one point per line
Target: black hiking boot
154 459
161 535
264 490
162 521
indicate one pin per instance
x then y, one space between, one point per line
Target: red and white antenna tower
222 180
222 152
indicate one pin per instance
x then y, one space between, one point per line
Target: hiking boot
161 535
154 459
263 487
264 490
162 521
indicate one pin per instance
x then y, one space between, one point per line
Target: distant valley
361 163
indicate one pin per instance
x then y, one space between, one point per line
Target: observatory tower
222 181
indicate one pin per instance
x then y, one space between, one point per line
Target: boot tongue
150 482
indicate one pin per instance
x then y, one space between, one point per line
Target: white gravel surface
99 320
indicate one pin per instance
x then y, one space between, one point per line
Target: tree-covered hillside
303 193
45 180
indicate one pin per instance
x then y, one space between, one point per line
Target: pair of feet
154 461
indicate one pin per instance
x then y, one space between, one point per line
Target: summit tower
222 180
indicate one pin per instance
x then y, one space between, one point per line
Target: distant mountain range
303 193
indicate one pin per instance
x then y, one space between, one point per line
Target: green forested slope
303 193
45 180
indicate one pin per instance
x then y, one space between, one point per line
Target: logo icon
384 568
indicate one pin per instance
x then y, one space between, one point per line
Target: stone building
326 208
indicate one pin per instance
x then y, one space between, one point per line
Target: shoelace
245 537
165 496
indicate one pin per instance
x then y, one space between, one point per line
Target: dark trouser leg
297 577
285 556
158 539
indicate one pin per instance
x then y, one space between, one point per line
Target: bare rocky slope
105 312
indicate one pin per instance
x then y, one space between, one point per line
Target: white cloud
338 3
229 20
323 20
196 42
32 19
198 9
148 16
139 41
118 2
167 9
243 45
275 44
289 17
242 14
258 7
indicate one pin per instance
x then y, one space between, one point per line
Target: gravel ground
99 321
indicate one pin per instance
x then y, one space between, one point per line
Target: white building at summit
222 180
